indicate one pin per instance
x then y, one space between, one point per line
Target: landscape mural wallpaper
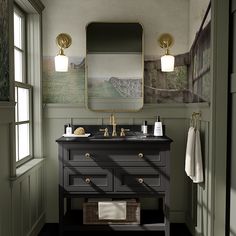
114 75
4 51
64 87
188 83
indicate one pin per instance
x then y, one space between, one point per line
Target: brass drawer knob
87 180
87 155
140 180
140 155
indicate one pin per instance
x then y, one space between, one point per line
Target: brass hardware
140 180
113 123
195 119
122 131
140 155
87 155
166 41
87 180
63 41
106 133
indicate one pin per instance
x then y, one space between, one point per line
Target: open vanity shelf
150 220
94 168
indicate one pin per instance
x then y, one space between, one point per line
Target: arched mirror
114 66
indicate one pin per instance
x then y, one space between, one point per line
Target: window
23 91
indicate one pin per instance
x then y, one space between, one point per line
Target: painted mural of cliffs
188 83
64 87
130 88
115 87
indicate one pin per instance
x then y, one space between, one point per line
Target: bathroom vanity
118 168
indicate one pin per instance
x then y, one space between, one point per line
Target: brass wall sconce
61 60
167 61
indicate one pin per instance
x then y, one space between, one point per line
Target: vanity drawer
88 179
136 179
139 156
136 157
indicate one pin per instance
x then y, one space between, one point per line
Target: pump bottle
158 127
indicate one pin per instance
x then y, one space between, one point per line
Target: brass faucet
113 123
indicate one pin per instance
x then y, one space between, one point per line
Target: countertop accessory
68 129
144 127
79 131
76 135
158 131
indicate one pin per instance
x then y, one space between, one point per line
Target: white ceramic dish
76 135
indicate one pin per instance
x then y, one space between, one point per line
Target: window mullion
19 49
23 122
23 85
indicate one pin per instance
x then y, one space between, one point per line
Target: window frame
25 85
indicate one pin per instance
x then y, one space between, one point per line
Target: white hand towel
115 210
198 170
189 157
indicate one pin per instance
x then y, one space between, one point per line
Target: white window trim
33 9
23 84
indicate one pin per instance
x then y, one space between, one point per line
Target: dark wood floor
175 229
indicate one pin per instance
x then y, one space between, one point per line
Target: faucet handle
122 131
106 133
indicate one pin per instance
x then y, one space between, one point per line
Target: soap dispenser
68 129
145 127
158 127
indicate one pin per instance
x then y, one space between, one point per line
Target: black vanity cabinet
90 168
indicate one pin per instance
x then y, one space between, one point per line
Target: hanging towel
189 158
198 169
114 210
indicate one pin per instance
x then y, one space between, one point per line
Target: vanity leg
61 212
167 214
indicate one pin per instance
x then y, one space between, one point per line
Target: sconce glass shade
167 63
61 63
63 41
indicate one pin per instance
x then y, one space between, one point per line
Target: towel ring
195 119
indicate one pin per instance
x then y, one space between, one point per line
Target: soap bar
79 131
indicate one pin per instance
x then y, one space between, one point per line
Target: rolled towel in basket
115 210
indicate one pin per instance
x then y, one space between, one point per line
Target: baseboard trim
37 226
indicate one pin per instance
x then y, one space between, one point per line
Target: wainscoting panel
199 208
28 201
5 194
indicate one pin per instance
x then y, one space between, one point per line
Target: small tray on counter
76 135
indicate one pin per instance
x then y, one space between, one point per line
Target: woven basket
90 214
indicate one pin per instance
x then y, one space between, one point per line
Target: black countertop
97 136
